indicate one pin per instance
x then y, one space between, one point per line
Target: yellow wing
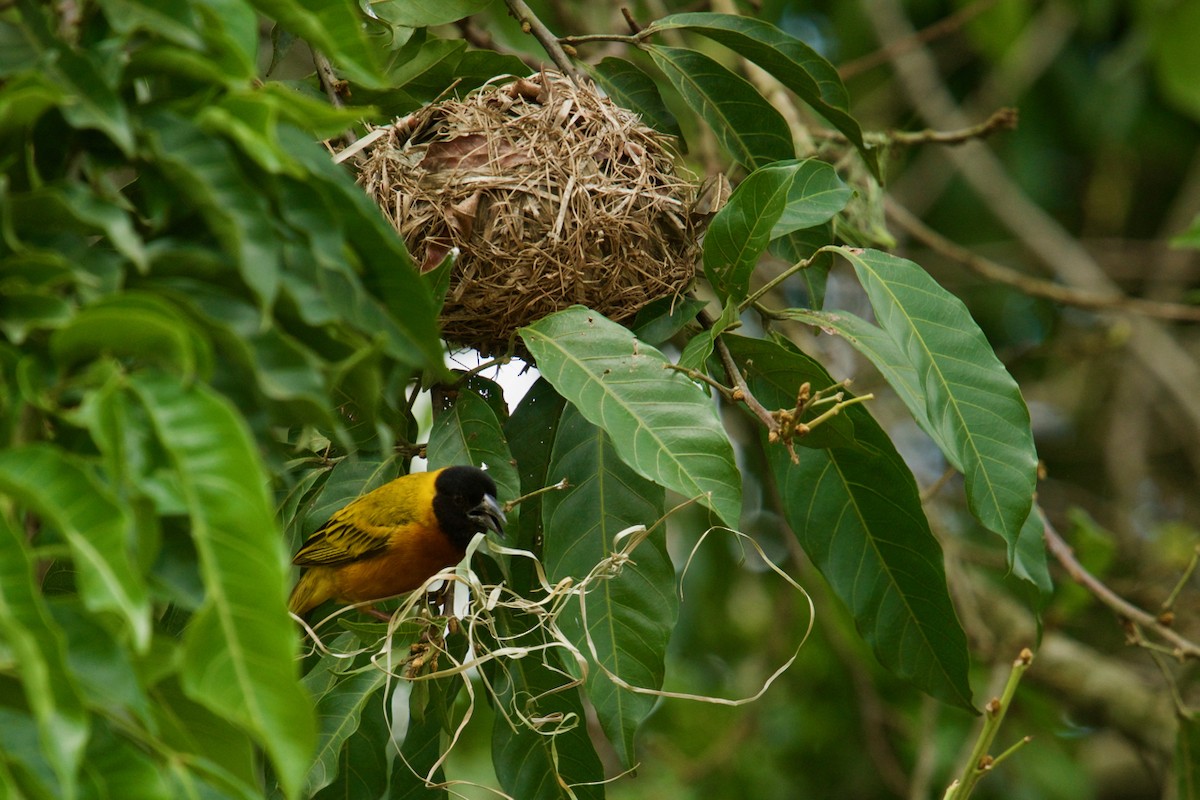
364 528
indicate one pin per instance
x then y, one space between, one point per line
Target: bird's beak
489 514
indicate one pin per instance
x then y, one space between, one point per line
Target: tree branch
1182 648
1033 286
550 43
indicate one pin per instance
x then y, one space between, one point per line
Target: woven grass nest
553 195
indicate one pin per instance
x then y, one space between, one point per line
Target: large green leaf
38 653
739 233
749 128
426 13
336 28
69 207
117 767
387 297
629 616
240 646
92 100
857 512
531 431
792 62
206 172
805 244
630 87
816 195
533 764
662 424
215 748
971 402
1187 758
362 762
469 433
136 326
340 708
69 499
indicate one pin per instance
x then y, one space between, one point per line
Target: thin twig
741 391
480 39
1184 648
595 38
1190 570
697 375
549 42
1033 286
1002 119
980 762
554 487
778 279
941 28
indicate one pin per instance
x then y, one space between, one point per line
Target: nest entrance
553 195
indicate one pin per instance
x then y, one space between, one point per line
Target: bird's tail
306 595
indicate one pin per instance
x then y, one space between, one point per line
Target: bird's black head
465 504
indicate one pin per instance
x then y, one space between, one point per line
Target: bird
394 538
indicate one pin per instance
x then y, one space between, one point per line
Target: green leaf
1190 237
739 233
747 127
698 349
1176 59
116 767
70 207
174 20
1029 563
70 500
101 665
136 326
658 321
25 98
815 196
801 245
425 62
970 399
857 513
631 88
336 28
879 348
426 13
339 711
629 616
39 658
1187 758
793 63
469 433
240 646
388 298
531 431
205 170
362 768
214 746
662 424
23 312
91 98
535 765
